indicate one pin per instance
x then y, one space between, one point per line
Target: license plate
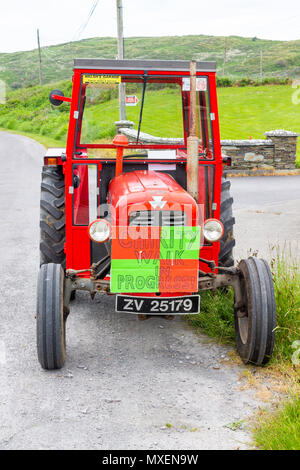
158 306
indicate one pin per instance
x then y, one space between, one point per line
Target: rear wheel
255 324
51 320
227 242
52 216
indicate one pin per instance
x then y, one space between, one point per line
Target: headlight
213 230
100 231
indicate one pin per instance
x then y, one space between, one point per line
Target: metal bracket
207 281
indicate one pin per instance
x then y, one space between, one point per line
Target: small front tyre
51 320
255 323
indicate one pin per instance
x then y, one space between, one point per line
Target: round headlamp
100 231
213 230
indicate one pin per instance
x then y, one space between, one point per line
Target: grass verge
216 316
278 428
44 140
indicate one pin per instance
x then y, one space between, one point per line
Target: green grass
216 316
279 430
286 274
252 111
281 58
28 111
249 111
162 115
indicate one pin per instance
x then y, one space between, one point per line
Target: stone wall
249 154
277 151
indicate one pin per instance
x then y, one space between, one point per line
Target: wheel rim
243 322
244 329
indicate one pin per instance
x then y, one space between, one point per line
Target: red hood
150 190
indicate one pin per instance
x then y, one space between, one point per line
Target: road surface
267 213
124 380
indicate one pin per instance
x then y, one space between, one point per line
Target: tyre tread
227 242
261 311
52 216
50 347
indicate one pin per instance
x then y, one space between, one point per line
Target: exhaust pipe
121 142
192 140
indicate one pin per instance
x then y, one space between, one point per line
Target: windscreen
152 111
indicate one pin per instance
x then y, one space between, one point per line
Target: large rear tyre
255 324
227 242
51 320
52 216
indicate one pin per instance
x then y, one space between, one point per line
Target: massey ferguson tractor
147 219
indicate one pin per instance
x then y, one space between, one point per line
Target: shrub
224 82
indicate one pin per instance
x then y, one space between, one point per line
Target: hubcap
243 329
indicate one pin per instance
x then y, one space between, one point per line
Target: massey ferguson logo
158 202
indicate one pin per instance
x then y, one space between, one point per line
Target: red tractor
145 218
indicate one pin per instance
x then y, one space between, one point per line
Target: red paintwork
134 191
81 257
81 200
128 240
77 240
120 140
185 270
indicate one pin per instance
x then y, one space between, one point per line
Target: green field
280 58
244 112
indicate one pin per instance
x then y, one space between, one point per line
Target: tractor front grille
157 218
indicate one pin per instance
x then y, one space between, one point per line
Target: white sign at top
201 84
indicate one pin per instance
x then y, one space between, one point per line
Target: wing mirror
56 97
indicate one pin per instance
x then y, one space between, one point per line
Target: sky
60 20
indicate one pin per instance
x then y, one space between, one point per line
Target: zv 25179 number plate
158 306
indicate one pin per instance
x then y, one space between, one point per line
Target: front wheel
255 324
51 320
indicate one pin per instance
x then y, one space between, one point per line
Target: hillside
243 56
244 112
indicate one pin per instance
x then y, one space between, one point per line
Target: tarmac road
124 380
267 213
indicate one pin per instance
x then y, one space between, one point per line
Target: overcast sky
60 20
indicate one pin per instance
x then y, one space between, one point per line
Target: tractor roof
157 65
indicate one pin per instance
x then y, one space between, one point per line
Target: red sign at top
132 100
